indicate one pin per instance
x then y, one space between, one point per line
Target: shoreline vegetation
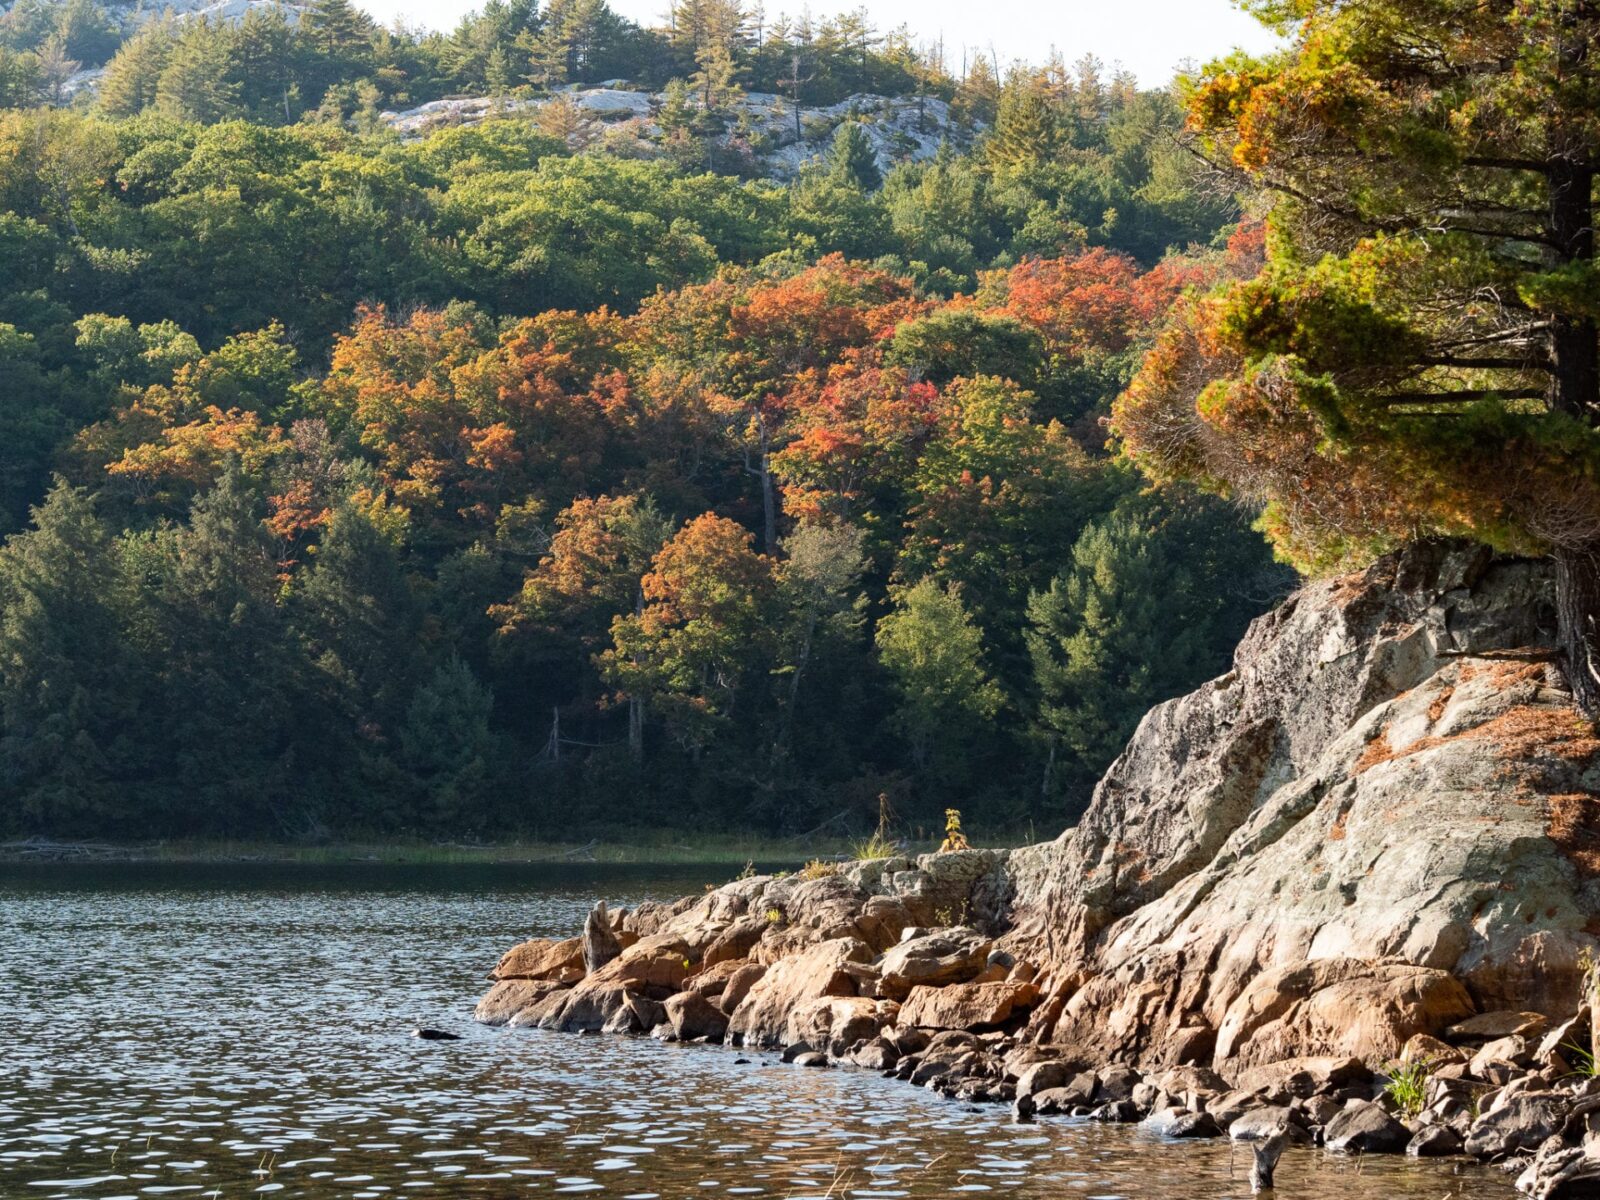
641 849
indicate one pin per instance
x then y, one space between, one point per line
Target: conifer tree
1421 353
853 159
68 701
196 84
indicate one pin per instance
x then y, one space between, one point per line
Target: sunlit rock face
1382 818
765 130
1380 822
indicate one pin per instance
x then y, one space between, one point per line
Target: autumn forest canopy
529 476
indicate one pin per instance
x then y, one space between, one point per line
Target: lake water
245 1031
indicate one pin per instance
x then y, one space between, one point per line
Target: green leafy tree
819 590
933 652
702 631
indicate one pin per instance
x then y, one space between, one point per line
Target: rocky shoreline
1345 894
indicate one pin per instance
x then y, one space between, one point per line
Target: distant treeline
471 484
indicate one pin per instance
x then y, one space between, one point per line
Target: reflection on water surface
242 1031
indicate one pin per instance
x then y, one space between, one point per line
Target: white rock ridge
900 129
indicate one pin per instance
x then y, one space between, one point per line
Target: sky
1149 37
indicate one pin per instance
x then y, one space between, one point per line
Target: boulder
738 986
735 941
693 1016
537 1014
584 1008
1563 1041
660 962
1184 1080
1117 1112
542 958
879 1054
1116 1083
1345 1008
1264 857
1520 1126
712 980
1194 1125
1302 1077
1434 1141
966 1005
1487 1027
933 960
647 1013
1259 1124
1365 1129
1512 1051
511 996
839 1021
1074 1094
762 1018
1042 1076
1423 1049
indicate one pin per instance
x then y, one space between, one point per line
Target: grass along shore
658 848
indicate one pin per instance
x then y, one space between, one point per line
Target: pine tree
133 75
226 663
563 118
1421 353
196 84
338 29
69 682
357 614
447 748
264 63
1028 127
1103 640
852 158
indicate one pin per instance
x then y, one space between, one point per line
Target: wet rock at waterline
1371 843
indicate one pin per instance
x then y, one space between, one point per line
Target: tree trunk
1575 390
769 504
1578 612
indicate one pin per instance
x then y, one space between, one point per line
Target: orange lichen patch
1523 732
1336 833
1378 751
1511 673
1574 826
1349 588
1440 703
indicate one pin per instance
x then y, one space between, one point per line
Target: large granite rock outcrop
1383 818
1381 823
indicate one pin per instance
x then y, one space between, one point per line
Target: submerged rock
1366 1129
